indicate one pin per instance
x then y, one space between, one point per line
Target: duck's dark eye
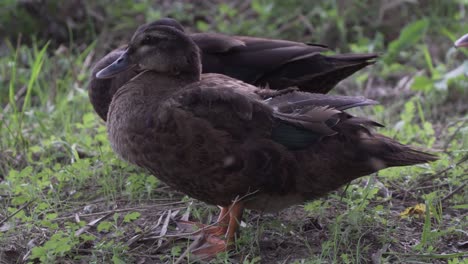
149 40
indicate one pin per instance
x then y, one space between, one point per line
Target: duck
462 42
259 61
231 144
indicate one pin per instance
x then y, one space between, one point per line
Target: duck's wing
248 58
295 119
297 100
305 118
277 63
211 43
227 104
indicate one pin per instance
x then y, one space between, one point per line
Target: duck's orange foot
209 246
197 228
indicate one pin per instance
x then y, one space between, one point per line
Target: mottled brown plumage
217 139
259 61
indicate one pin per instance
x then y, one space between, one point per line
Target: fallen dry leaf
419 210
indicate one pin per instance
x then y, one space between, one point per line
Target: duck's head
462 42
162 22
158 47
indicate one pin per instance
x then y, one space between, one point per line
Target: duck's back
277 63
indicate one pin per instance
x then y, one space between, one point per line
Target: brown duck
257 61
231 144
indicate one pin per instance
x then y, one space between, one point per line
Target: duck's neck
191 70
167 85
154 86
186 77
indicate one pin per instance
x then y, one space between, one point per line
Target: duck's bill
121 64
462 42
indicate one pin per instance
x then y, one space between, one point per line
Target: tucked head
161 48
161 22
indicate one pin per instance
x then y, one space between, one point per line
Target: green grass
65 196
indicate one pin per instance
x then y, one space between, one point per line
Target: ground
66 198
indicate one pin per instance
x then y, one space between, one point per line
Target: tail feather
339 68
387 152
409 156
315 72
354 57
